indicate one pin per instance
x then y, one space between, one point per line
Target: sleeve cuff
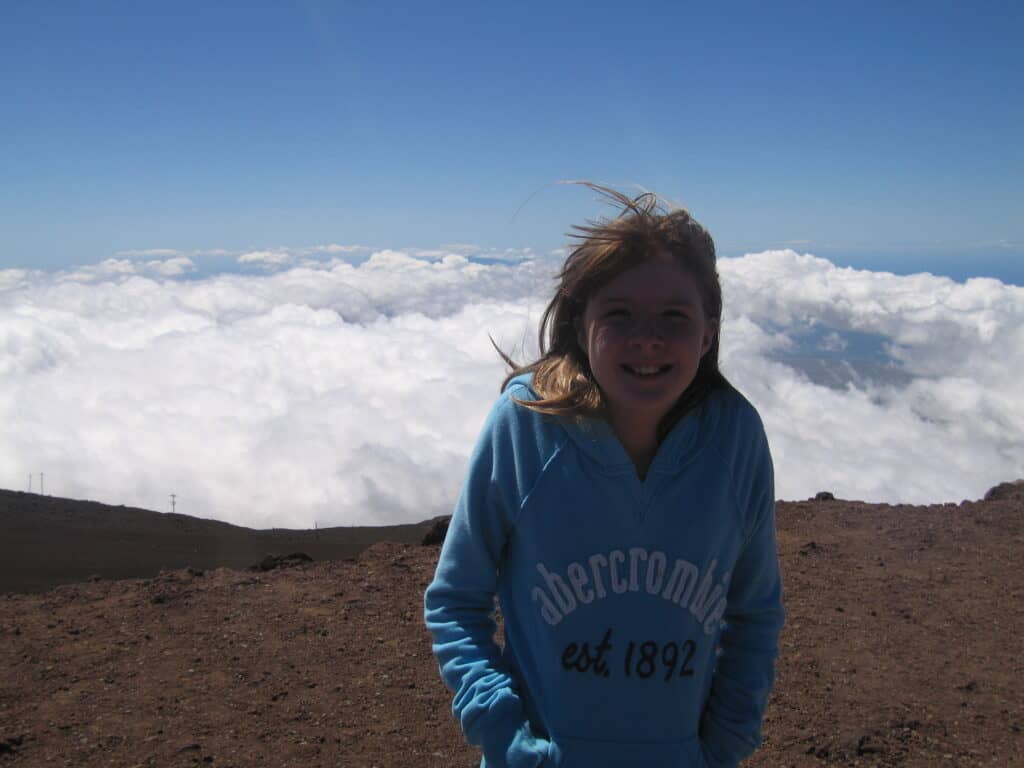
511 744
713 737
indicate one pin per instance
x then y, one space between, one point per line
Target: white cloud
337 393
464 248
1008 245
270 258
175 267
833 342
334 248
277 258
148 253
509 255
951 432
13 278
104 270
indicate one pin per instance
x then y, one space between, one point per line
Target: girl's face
644 334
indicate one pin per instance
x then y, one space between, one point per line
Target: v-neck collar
597 439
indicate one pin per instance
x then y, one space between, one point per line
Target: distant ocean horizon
1003 264
1006 267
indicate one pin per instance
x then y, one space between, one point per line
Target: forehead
654 280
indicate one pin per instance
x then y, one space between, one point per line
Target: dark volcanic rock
273 562
437 532
1006 491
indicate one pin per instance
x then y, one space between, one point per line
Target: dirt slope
902 648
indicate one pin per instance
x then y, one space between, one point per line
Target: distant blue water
838 358
1007 267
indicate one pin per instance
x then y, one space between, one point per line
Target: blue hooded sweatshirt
641 617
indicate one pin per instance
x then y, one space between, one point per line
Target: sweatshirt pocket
589 753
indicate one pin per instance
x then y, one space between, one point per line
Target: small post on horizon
174 497
30 482
41 491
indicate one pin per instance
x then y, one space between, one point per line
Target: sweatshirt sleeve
745 672
459 603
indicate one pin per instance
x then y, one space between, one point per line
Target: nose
646 332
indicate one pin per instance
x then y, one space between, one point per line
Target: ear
710 332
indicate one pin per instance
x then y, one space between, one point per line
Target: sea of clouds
339 386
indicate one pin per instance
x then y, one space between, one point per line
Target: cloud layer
317 391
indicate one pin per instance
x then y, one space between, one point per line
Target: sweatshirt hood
597 440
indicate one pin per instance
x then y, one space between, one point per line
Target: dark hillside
48 540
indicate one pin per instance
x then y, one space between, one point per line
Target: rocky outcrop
1006 491
273 562
439 529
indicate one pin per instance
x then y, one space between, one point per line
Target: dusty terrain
902 647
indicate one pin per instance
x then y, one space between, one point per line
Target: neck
639 437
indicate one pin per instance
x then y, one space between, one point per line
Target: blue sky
881 135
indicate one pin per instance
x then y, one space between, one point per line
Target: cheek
607 349
605 337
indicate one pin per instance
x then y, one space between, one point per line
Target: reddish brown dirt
902 648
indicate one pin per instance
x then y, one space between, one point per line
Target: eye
617 312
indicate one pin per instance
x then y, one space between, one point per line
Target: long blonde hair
645 226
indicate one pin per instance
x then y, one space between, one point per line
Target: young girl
620 504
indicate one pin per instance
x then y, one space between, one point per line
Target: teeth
646 370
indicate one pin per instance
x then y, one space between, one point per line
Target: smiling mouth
646 371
